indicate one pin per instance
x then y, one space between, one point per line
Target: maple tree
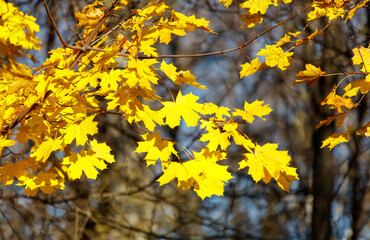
55 104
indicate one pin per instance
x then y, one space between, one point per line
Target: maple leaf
362 85
13 35
275 56
362 56
149 117
227 3
140 72
186 107
310 75
253 109
337 102
283 40
204 174
102 151
80 131
179 77
232 128
5 143
215 136
10 171
155 9
157 148
323 10
341 116
191 22
220 112
364 130
85 161
47 182
123 43
43 151
89 17
250 68
256 6
266 162
335 139
250 20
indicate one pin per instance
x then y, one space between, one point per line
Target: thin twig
232 49
173 99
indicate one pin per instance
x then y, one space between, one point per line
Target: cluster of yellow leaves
202 170
254 10
275 56
55 106
342 104
17 31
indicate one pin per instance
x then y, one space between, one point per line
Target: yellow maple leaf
220 112
322 9
232 128
43 151
227 3
102 150
310 75
204 174
5 143
156 148
362 56
253 109
140 72
335 139
179 77
256 6
215 136
364 130
17 31
337 102
267 162
85 161
149 117
90 16
191 22
184 107
153 9
275 56
250 68
10 171
47 182
80 131
362 85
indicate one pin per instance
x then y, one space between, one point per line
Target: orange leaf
310 75
335 139
337 102
365 130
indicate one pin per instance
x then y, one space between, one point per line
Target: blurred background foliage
331 200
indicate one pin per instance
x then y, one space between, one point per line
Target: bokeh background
331 200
